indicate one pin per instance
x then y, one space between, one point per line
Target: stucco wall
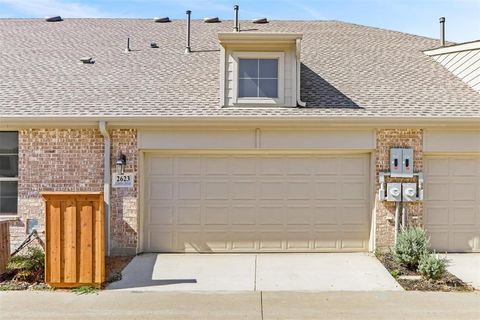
387 139
72 160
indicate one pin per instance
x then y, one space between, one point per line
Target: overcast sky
412 16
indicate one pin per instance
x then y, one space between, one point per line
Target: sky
412 16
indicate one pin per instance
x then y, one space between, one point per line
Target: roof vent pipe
235 26
442 31
188 48
127 49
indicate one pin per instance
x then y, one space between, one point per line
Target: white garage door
452 206
256 203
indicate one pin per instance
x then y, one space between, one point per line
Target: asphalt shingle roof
347 70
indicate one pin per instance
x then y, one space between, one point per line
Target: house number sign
122 180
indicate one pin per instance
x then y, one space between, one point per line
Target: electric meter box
401 162
409 192
394 192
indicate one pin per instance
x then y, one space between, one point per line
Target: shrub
432 267
28 267
412 244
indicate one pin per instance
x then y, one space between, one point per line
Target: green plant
85 290
377 253
412 244
395 273
432 267
28 267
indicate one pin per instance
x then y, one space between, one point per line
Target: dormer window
260 69
258 78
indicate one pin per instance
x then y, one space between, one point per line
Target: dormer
260 69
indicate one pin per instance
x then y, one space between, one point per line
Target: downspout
300 103
102 126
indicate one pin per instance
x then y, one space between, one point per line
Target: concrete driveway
466 266
256 272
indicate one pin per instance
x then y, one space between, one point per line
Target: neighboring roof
348 71
463 60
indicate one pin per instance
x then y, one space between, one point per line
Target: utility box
401 162
409 192
394 192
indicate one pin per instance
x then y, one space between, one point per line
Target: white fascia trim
467 46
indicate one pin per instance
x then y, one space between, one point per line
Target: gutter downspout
300 103
106 180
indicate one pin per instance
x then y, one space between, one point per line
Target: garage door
256 203
452 206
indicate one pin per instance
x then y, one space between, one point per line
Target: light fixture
121 162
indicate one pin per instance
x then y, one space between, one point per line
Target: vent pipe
442 31
236 28
188 48
127 49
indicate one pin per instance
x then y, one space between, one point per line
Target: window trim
259 101
7 179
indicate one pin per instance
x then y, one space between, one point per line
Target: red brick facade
387 139
72 160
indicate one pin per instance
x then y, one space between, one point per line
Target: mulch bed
447 283
114 266
113 270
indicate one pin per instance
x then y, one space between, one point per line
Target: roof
348 71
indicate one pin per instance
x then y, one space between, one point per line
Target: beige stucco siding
452 141
256 138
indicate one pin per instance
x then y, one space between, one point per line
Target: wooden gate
4 245
75 239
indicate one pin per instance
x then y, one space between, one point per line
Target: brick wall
72 160
387 139
54 160
124 201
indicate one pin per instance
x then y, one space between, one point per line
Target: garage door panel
217 166
463 167
161 215
350 217
436 215
161 190
271 240
326 215
264 203
299 215
353 190
326 190
437 191
188 166
188 215
160 166
270 215
452 215
464 216
325 166
298 241
189 190
244 241
437 167
272 190
354 166
299 190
